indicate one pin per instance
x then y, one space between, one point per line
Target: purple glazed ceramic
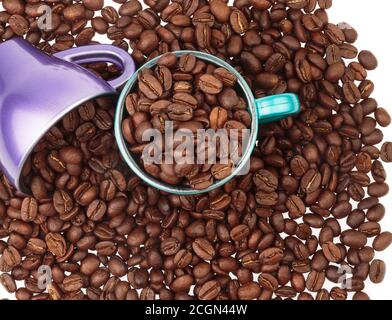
37 90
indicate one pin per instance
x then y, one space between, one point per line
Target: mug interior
19 182
185 190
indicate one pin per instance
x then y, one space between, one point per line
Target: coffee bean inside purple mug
306 221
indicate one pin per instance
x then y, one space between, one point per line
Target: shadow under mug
262 111
37 90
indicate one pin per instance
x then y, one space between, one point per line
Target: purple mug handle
102 53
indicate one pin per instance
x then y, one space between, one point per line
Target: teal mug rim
173 189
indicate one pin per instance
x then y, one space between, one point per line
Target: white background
373 24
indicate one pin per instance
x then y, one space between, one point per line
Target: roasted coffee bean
29 209
249 291
150 86
311 181
170 246
377 271
382 241
209 290
130 8
36 246
110 14
18 24
265 181
14 6
203 249
56 244
210 84
96 210
8 282
218 117
386 152
382 116
331 252
314 166
239 232
377 189
367 60
179 112
221 171
62 202
353 239
94 5
238 21
72 283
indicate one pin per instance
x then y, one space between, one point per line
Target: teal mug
262 111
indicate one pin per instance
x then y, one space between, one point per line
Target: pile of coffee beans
307 213
191 95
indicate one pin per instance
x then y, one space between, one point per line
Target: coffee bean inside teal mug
262 111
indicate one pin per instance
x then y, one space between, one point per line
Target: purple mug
37 90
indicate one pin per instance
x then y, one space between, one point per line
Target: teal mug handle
277 107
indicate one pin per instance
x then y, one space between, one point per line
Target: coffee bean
62 202
11 257
187 63
268 281
271 255
18 24
150 86
331 252
209 290
72 283
315 281
377 271
239 232
36 246
203 249
130 8
85 193
378 189
249 291
338 293
117 267
386 152
179 112
14 6
311 181
238 22
221 171
170 246
382 241
210 84
382 116
29 209
225 76
74 12
367 60
109 14
94 5
218 117
96 210
182 258
295 206
265 181
353 239
201 181
8 282
351 92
